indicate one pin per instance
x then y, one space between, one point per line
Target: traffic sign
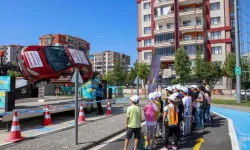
79 77
237 70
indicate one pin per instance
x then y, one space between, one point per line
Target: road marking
232 133
111 140
199 141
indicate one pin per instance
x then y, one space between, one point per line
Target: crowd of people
184 109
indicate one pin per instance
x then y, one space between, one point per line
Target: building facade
103 62
11 52
165 25
66 41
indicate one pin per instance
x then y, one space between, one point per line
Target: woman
171 122
151 121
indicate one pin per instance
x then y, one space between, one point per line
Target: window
147 30
220 82
187 37
166 51
216 35
191 49
216 50
147 18
187 23
198 21
168 37
160 27
170 25
215 6
147 5
147 42
57 58
215 20
147 55
232 21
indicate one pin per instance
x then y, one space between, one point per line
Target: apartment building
165 25
103 62
66 41
11 52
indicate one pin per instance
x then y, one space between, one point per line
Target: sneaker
164 148
153 146
174 147
148 147
189 136
160 134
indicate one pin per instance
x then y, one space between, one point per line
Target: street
215 137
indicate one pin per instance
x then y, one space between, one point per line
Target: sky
106 24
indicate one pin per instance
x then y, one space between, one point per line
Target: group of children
176 114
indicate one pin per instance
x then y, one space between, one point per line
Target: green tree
229 66
109 77
174 81
215 74
143 73
182 64
131 76
14 73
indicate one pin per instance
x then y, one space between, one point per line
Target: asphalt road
215 138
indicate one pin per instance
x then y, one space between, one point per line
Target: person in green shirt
133 123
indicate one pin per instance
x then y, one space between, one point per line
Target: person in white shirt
187 113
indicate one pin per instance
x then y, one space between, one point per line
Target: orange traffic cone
15 133
81 117
47 120
109 111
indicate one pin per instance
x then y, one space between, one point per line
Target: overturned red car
43 64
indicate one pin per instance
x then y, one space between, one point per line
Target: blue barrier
64 107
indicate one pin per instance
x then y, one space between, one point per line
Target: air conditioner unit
171 40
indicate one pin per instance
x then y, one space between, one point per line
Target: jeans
199 117
187 125
207 114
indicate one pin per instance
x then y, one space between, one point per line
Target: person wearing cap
171 122
133 122
169 91
161 114
150 117
187 114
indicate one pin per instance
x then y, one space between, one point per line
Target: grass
230 102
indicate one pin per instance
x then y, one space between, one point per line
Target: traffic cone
15 133
109 111
47 120
81 117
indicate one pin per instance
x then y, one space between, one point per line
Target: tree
182 64
174 81
229 66
143 73
214 74
109 77
131 76
14 73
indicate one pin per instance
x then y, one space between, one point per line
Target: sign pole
76 106
237 50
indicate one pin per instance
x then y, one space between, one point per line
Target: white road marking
232 133
111 140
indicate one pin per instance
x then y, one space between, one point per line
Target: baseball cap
169 88
172 97
156 95
194 86
178 87
135 98
159 94
151 96
184 89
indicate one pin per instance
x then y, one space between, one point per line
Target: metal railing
191 9
192 39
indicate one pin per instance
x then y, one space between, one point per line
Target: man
187 113
199 114
99 96
133 122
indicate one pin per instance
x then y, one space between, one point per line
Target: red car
41 64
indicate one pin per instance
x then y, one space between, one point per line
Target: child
150 117
171 122
161 114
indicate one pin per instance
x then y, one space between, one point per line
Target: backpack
204 103
173 118
149 111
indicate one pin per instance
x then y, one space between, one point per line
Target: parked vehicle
41 64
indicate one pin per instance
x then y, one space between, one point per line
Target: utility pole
237 50
138 80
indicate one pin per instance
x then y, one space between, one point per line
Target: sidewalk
240 108
89 134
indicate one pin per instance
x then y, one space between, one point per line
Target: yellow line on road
199 141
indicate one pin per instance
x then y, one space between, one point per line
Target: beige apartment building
165 25
10 52
103 62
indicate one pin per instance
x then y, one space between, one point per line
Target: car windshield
57 58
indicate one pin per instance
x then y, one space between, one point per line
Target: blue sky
106 24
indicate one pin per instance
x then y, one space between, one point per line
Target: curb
6 145
103 139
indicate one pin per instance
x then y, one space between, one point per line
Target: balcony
191 27
187 2
191 11
165 44
167 16
159 3
167 58
193 40
165 30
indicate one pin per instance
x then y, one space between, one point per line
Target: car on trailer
41 64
